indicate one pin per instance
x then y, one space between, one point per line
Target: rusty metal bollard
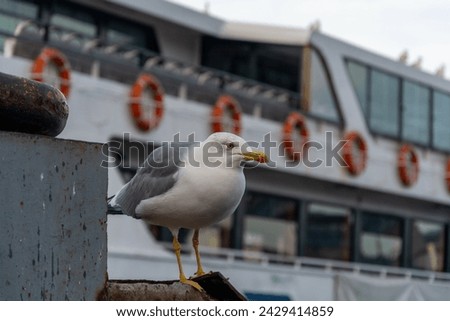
31 107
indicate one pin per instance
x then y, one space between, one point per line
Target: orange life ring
355 163
292 122
408 165
136 108
52 55
447 175
222 104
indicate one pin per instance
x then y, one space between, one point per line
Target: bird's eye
230 145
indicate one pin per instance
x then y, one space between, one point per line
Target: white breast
201 197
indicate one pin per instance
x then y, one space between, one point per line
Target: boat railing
123 62
295 263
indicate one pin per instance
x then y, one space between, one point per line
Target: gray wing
156 176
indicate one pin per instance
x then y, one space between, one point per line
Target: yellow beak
256 156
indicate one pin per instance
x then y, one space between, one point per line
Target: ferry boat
358 204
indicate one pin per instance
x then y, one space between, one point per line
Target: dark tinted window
72 24
74 18
270 224
77 24
13 19
428 250
128 33
328 232
23 8
381 240
276 65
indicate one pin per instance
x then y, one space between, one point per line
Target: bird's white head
229 150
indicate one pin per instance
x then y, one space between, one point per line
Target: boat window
359 76
424 111
14 16
213 236
270 224
23 8
72 24
441 121
428 245
328 231
75 24
384 103
381 240
416 113
126 33
276 65
322 102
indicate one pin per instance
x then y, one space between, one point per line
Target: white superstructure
306 229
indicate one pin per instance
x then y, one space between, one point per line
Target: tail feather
113 208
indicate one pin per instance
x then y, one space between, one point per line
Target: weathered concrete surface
53 218
32 107
216 288
152 291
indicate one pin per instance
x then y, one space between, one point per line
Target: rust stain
101 294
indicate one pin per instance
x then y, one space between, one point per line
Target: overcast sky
388 27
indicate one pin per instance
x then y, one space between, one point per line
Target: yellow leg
197 254
183 279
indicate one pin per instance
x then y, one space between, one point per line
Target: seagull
191 187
